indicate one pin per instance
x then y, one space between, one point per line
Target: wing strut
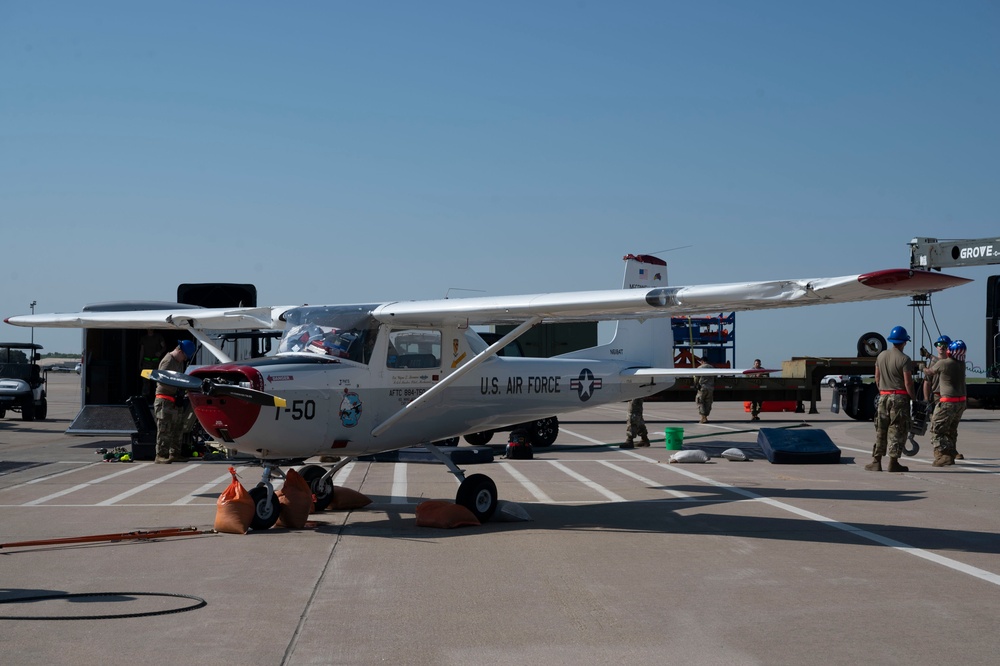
207 343
474 362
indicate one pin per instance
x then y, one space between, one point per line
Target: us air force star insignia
585 384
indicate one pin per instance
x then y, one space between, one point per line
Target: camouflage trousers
636 426
944 427
704 400
892 425
170 422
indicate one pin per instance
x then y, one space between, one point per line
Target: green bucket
674 438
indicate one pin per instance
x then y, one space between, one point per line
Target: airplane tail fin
647 343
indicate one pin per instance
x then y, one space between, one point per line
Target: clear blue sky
352 152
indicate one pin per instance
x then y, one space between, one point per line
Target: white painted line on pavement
145 486
593 485
523 480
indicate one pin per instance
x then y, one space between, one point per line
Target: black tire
322 492
28 410
451 441
871 345
264 515
479 438
832 383
544 431
864 406
478 494
42 410
3 413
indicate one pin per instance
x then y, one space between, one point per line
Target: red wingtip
904 279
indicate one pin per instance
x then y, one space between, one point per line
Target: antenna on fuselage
682 247
450 289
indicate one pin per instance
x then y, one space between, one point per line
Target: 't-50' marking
299 409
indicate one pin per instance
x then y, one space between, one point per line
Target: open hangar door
112 358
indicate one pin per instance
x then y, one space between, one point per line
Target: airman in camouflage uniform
894 379
706 392
932 380
168 409
950 373
636 426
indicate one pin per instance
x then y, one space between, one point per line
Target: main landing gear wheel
544 431
323 492
479 438
264 515
478 494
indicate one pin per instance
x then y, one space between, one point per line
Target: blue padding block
798 447
465 455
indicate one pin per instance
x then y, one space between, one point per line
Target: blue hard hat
943 340
187 347
898 334
957 350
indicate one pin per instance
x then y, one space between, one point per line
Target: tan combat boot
704 419
644 441
627 444
942 460
894 466
875 465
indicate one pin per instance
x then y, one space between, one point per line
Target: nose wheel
266 507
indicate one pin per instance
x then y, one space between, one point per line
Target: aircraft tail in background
642 343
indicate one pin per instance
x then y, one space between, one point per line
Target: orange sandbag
234 509
346 499
296 501
446 515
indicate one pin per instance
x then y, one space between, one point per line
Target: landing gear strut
265 507
476 493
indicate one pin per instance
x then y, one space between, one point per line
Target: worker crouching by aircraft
950 375
896 389
168 408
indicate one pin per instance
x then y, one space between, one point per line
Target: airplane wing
185 318
643 303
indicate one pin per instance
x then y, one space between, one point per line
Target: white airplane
353 380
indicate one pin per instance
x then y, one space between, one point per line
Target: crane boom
930 253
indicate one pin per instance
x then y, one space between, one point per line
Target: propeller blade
209 387
246 394
173 378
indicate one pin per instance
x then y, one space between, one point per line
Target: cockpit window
337 331
414 348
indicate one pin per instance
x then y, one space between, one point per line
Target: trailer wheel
861 401
871 345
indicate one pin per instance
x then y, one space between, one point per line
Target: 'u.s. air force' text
497 385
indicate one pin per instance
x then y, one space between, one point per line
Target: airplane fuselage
332 407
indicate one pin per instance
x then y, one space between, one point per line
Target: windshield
338 331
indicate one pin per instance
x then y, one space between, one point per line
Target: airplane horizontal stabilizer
684 372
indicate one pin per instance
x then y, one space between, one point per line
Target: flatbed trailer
800 381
